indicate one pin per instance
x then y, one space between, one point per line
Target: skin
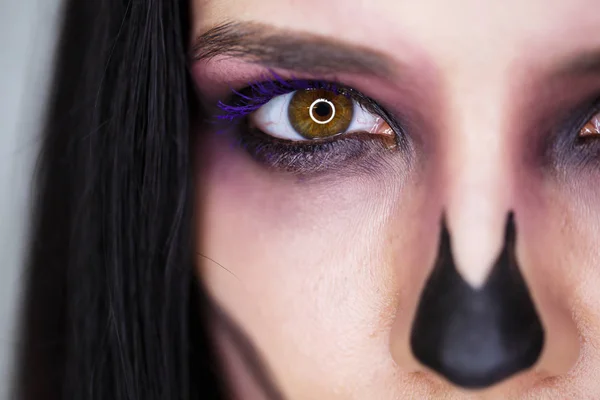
323 274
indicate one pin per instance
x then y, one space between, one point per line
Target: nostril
477 337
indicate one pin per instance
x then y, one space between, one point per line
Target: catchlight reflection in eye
312 114
591 128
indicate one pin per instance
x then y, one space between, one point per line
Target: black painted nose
477 337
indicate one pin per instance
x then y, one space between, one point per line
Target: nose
477 336
491 305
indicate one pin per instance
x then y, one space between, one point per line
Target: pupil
322 109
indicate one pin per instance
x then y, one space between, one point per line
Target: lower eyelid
309 158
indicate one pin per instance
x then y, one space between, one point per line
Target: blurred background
28 30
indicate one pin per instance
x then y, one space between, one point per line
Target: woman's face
317 247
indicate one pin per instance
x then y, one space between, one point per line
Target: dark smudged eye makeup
308 126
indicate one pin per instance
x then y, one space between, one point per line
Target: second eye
313 114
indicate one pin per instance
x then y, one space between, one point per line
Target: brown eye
319 113
591 128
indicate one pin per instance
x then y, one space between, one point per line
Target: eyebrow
286 49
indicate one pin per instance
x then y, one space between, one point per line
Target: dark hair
112 309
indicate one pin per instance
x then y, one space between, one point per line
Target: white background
28 30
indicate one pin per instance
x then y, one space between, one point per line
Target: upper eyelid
279 87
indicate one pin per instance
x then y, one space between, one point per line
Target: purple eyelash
259 93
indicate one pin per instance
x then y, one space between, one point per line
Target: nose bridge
479 176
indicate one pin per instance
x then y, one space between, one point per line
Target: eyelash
303 157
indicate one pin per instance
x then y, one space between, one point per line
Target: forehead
459 35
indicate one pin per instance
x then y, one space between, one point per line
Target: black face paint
477 337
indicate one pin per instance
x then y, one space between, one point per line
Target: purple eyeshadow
259 93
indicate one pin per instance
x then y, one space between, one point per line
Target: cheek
559 252
306 266
316 271
578 236
561 230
